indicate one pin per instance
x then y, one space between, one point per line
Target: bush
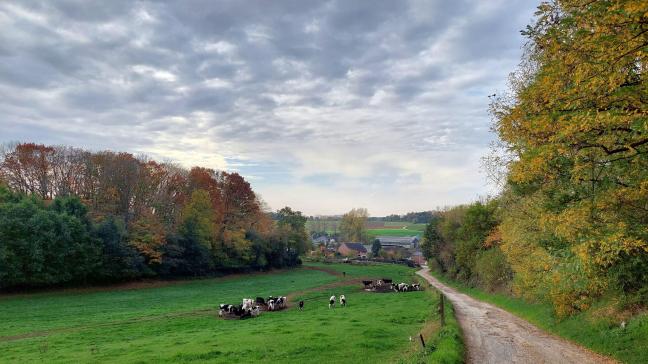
492 269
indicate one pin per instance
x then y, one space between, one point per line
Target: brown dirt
492 335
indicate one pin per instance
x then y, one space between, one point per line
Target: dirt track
492 335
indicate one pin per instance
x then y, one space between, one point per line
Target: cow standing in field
271 305
332 302
416 287
301 305
342 301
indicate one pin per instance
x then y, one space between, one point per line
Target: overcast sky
322 105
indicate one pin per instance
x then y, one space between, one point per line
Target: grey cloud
261 80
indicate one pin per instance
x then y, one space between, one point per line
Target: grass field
409 225
392 232
593 329
374 228
177 322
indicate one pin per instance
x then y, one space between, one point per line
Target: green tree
292 228
199 219
432 242
375 248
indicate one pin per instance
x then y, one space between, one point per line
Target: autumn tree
354 225
575 128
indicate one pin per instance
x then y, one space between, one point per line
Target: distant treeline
422 217
70 216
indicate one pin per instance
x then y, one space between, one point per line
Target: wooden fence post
442 309
422 341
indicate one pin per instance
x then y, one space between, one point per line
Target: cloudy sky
322 105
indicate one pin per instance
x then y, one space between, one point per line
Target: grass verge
443 345
593 329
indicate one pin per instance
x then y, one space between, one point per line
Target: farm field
392 232
408 225
374 228
178 322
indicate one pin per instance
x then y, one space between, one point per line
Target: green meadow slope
177 322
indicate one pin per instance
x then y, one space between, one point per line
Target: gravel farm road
492 335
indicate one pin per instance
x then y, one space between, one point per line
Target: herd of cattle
386 285
252 308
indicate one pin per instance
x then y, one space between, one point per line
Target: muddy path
492 335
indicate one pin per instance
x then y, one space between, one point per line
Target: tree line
571 225
70 216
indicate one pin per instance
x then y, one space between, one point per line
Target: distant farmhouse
320 240
405 242
352 250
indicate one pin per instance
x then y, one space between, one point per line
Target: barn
406 242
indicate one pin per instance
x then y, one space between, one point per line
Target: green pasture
392 232
409 225
178 322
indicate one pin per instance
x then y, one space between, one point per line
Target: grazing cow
403 287
394 287
271 305
332 302
379 283
280 302
260 301
224 308
367 284
416 287
255 311
301 305
342 300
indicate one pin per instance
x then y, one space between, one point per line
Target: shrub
492 269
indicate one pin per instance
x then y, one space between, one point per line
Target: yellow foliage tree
576 128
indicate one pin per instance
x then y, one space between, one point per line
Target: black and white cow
332 302
260 301
403 287
271 304
280 302
416 287
301 305
224 308
342 300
